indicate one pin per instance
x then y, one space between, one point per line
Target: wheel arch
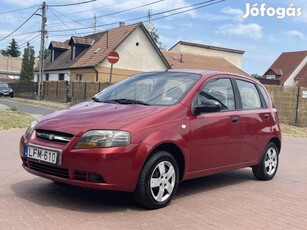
277 142
175 151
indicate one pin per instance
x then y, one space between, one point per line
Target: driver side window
219 90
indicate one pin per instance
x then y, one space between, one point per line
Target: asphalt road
34 110
232 200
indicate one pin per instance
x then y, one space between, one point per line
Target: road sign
113 57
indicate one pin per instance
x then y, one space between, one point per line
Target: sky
263 29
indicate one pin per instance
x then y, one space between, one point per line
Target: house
289 69
192 61
233 56
85 58
10 68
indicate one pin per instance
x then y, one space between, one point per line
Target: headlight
30 129
103 139
11 90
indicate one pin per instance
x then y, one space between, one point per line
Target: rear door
256 120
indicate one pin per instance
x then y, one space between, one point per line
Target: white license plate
41 154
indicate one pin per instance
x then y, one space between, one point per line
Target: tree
46 53
26 74
12 49
155 36
255 75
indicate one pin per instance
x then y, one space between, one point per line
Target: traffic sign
113 57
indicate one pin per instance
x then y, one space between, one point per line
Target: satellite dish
150 27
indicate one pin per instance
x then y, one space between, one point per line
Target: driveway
233 200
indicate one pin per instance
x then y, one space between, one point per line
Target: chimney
121 24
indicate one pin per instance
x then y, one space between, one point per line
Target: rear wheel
158 181
268 165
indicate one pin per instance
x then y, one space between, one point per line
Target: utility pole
41 52
95 23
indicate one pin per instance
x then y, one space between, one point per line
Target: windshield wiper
95 99
126 101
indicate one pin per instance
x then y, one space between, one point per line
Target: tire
158 181
268 165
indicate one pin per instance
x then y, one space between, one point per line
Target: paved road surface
34 110
233 200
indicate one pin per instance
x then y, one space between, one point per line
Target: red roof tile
192 61
286 63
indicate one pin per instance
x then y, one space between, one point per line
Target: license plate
43 154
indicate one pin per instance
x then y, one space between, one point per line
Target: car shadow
47 193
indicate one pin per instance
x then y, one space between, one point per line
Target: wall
10 65
234 58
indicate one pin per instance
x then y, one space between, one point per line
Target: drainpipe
94 68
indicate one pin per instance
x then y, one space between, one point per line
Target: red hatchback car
152 130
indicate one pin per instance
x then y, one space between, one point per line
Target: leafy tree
46 53
26 74
12 49
255 75
155 36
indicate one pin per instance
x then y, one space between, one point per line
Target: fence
291 102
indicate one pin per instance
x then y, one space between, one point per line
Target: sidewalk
43 103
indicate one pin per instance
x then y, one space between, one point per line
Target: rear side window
249 95
264 95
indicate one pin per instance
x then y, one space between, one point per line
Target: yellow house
85 58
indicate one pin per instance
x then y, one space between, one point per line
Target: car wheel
267 167
158 181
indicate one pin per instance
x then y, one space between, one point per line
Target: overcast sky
268 29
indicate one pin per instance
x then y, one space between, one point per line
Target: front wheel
267 167
158 181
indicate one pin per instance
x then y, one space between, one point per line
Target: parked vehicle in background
152 130
6 90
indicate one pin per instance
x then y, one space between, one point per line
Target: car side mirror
208 106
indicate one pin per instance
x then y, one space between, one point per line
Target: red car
152 130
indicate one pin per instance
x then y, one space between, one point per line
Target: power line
19 26
105 6
200 5
118 12
72 4
12 11
67 17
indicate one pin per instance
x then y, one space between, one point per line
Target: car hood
92 115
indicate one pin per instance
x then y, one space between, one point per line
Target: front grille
48 169
62 172
53 136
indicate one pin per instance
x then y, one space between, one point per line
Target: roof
81 40
59 45
192 61
302 77
286 63
208 47
101 45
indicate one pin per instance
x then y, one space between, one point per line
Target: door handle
266 116
235 119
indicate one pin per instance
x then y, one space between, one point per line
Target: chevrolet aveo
152 130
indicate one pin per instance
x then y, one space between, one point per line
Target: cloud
252 30
237 14
296 34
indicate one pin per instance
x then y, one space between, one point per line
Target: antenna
149 26
95 23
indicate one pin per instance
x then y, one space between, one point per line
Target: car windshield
159 88
4 85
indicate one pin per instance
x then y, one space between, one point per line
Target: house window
61 77
79 77
73 54
52 55
270 77
47 77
